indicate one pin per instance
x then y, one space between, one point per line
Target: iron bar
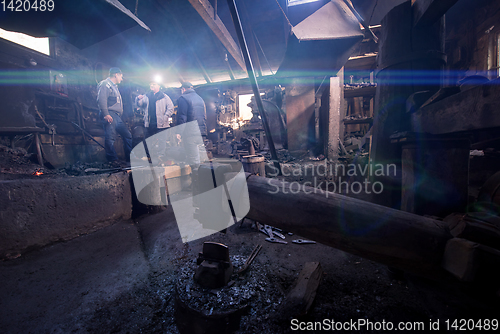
253 80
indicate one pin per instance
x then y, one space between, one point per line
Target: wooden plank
334 121
427 12
171 172
359 121
470 261
473 109
461 259
363 91
299 300
206 11
366 62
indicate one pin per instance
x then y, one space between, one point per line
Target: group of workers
158 108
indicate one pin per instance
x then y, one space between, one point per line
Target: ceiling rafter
179 28
206 11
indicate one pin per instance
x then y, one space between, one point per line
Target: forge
206 304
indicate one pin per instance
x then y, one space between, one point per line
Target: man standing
191 107
158 108
110 105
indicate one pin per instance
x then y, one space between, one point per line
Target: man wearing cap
158 108
191 107
110 105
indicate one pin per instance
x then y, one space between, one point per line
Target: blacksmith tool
250 259
276 240
302 241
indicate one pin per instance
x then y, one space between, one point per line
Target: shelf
362 91
359 121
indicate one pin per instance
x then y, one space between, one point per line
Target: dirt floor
123 279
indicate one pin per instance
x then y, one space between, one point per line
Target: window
39 44
245 110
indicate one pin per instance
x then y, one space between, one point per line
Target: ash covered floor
122 279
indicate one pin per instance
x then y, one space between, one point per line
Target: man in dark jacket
191 107
110 105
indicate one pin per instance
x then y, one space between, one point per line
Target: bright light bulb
157 78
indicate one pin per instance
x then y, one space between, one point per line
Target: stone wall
35 213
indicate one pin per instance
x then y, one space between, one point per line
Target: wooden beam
363 91
206 11
366 62
396 238
427 12
473 109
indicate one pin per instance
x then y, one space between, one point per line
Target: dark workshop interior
349 178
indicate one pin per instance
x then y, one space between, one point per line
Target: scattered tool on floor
250 259
302 241
269 231
278 234
276 240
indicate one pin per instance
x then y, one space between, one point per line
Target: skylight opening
39 44
299 2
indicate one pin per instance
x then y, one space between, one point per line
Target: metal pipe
253 80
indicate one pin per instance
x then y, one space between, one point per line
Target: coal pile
18 163
248 300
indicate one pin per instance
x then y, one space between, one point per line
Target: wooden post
336 114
